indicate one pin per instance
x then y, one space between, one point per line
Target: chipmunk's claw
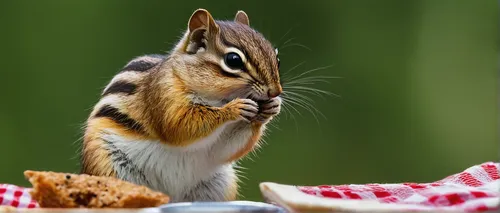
268 109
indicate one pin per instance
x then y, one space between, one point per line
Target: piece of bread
65 190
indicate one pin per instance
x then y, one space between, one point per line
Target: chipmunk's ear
242 17
200 26
202 19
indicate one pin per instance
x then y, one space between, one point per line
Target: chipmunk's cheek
238 89
226 93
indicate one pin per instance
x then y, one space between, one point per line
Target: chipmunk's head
223 60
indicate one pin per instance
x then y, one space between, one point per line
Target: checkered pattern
475 189
15 196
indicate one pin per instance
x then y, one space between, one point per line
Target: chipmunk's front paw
268 109
243 108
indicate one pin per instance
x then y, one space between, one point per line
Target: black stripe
120 87
139 66
123 161
142 65
120 118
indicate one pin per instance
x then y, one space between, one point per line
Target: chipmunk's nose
275 91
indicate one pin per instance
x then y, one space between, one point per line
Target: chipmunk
177 123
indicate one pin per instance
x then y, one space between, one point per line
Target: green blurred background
418 88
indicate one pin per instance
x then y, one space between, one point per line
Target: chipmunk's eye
233 61
278 63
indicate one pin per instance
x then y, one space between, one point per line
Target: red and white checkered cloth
477 189
15 196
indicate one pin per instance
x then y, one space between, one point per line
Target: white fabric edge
294 200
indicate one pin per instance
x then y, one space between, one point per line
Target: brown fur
173 100
96 161
169 111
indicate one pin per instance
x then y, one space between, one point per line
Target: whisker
311 90
290 30
291 106
289 40
307 101
311 106
310 71
295 101
296 44
298 90
298 94
286 109
291 69
304 102
305 82
307 106
313 93
312 79
273 125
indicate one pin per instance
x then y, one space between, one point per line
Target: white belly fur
175 170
